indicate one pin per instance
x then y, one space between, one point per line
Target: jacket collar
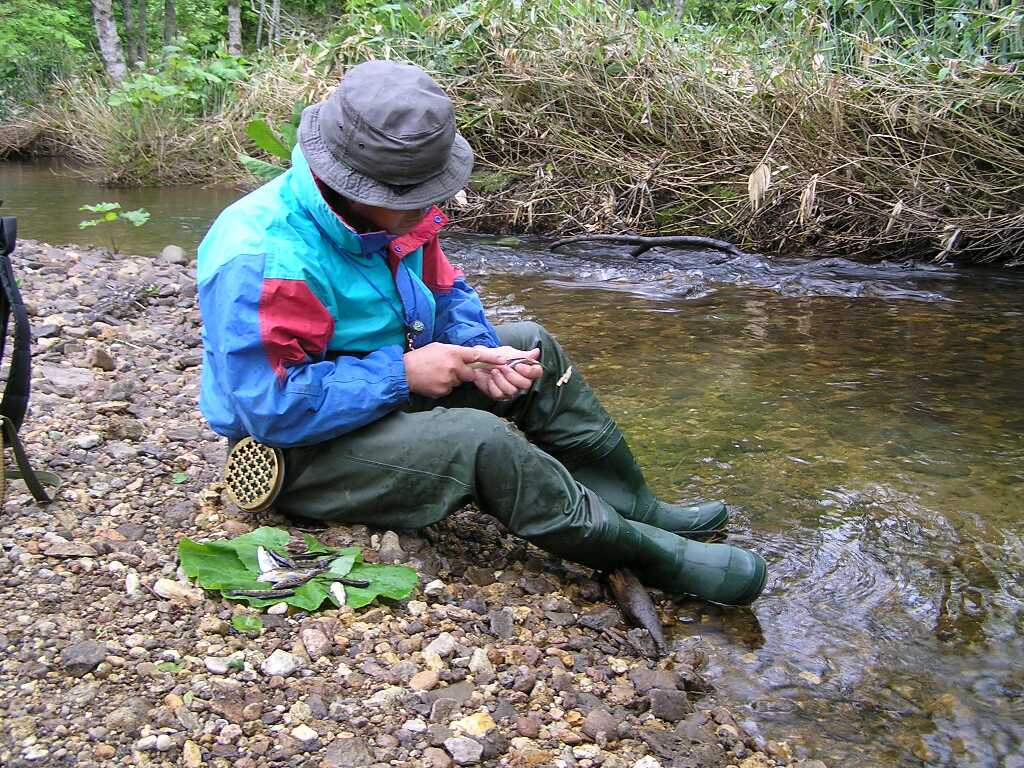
330 224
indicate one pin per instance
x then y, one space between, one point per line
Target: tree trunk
129 32
170 21
110 43
259 22
275 19
234 28
142 48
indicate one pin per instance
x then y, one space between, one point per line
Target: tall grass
593 116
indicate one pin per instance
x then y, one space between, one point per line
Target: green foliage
232 564
193 85
110 213
39 40
278 144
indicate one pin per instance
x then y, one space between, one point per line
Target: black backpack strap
34 480
19 379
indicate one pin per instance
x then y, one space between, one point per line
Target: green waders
415 466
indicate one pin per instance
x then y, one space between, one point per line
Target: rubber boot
719 573
617 479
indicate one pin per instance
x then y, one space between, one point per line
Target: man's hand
506 381
436 369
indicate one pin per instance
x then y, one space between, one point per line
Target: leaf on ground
232 564
245 622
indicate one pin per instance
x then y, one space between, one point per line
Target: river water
864 423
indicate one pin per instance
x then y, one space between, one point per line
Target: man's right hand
436 369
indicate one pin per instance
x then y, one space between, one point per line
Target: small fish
266 562
284 579
636 605
268 593
361 583
511 363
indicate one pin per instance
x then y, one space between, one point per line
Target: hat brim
361 188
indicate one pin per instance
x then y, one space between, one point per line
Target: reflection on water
865 424
872 451
46 201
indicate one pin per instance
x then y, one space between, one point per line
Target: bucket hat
386 136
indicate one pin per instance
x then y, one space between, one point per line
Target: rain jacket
305 321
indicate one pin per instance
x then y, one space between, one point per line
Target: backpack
14 403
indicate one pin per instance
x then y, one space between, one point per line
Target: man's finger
515 378
482 355
502 383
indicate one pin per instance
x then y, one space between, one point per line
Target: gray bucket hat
386 136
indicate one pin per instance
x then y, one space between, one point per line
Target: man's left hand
506 381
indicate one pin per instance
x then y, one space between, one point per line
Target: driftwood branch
646 243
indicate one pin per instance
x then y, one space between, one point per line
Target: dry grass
599 124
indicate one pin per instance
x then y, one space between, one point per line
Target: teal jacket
305 321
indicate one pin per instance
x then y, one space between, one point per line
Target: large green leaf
266 140
260 168
232 564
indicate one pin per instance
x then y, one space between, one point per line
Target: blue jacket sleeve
459 318
264 349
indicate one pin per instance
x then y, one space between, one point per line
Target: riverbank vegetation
874 129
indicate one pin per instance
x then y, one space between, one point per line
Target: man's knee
523 335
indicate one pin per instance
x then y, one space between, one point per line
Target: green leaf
88 223
260 168
178 478
246 622
232 564
110 216
265 139
290 134
168 666
101 207
138 217
392 581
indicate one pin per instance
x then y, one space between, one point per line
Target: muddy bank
498 659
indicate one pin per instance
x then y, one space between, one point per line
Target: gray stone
82 658
443 645
443 710
601 721
174 254
347 753
645 680
279 663
464 751
669 705
315 642
87 440
391 548
460 692
100 358
502 623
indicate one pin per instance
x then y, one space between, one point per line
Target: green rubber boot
719 573
617 479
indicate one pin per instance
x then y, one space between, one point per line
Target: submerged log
646 243
636 605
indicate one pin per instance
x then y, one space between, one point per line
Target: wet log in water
636 605
644 244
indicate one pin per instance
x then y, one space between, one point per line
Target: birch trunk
275 19
110 43
234 28
170 21
259 22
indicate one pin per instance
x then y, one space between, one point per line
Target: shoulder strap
19 379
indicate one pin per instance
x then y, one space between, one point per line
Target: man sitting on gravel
336 330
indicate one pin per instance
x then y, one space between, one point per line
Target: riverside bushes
592 116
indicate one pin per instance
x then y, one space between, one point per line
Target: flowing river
865 423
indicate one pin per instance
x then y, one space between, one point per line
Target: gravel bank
503 656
